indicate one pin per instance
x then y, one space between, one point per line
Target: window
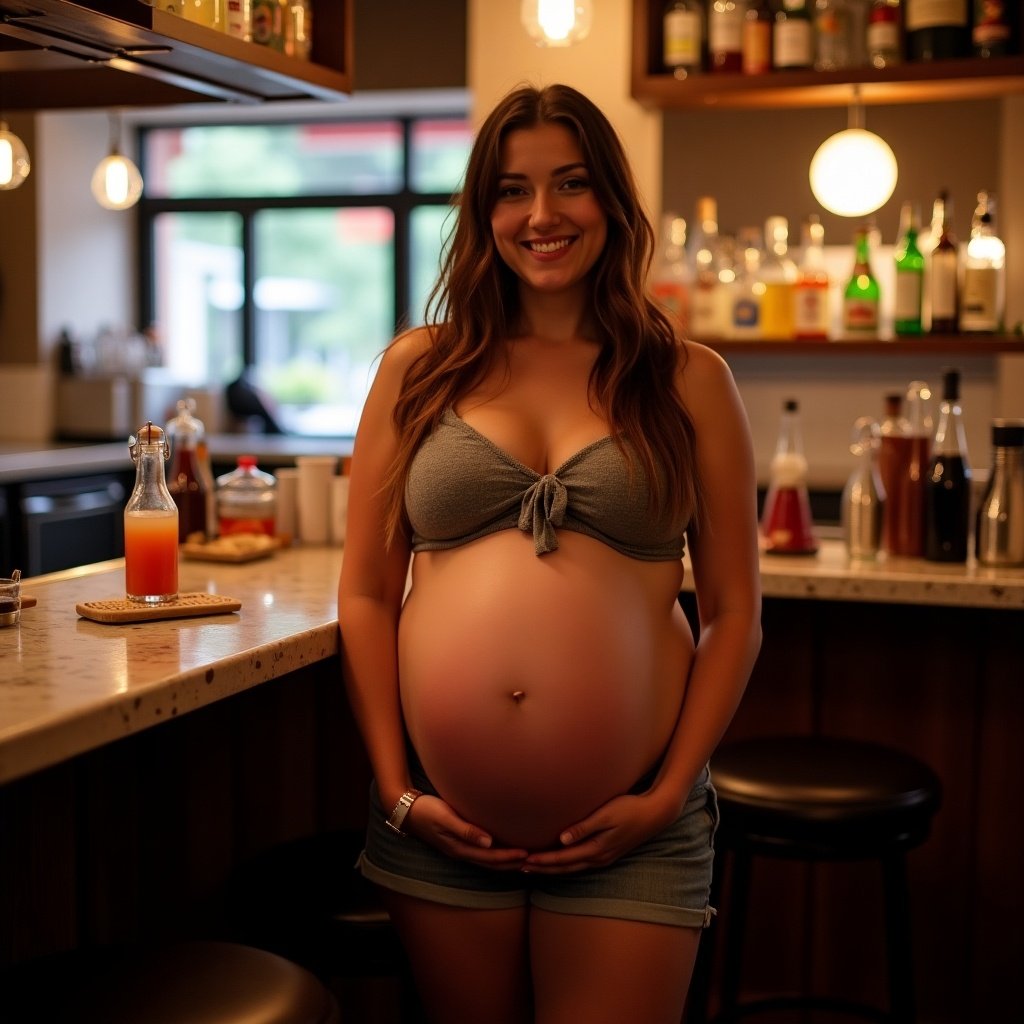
294 252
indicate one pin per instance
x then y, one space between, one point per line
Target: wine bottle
883 35
944 272
984 290
683 37
706 301
909 275
725 35
862 297
756 43
948 485
811 308
995 28
937 29
793 39
786 521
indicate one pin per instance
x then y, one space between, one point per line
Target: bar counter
141 763
70 685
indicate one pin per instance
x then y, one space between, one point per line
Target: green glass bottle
909 275
862 297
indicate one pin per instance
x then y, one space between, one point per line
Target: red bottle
786 522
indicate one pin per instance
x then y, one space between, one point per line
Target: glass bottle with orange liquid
150 523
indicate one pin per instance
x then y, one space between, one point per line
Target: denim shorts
666 880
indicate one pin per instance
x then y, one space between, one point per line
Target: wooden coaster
116 610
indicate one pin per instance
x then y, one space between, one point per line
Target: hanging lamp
853 172
116 182
14 162
556 22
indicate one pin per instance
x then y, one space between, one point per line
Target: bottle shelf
58 53
925 344
921 82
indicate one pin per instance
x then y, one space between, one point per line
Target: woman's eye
508 191
575 184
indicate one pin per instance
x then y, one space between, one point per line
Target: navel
518 696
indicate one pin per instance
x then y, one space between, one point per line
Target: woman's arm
724 556
372 584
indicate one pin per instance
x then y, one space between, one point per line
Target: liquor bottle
909 275
862 508
793 39
748 288
937 29
756 55
706 258
725 35
948 484
683 37
832 35
904 454
779 274
996 24
188 481
862 296
944 272
811 314
299 37
204 12
150 522
786 522
984 291
999 529
671 279
883 36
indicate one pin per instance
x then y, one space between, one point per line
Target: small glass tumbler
10 601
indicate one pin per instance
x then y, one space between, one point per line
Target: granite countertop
831 575
68 684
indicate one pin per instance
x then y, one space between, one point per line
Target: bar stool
306 900
189 982
813 798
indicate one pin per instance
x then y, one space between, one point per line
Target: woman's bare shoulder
703 374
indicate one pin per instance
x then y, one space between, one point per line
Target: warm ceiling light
854 172
556 22
14 161
116 182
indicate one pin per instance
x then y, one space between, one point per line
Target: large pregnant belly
535 689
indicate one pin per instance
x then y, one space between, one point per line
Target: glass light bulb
556 22
853 173
116 182
14 161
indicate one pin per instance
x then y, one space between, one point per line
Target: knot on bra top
543 509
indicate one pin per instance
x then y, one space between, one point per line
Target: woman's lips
548 248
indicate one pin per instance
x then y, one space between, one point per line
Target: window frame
401 203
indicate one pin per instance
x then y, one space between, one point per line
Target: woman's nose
544 211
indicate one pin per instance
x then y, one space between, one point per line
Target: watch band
405 801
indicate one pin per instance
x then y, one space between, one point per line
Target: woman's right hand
437 824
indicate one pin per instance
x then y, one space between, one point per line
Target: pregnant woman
537 714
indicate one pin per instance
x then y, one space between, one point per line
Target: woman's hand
434 821
603 837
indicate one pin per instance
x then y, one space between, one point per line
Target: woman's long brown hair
474 307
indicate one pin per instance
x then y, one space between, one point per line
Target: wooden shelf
907 83
926 344
57 53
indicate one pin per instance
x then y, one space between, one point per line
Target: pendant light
116 182
853 172
14 161
556 22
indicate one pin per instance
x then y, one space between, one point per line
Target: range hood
58 54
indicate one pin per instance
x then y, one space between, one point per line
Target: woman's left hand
601 838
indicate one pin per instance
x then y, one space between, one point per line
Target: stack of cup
315 473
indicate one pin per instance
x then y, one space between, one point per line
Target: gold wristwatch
405 801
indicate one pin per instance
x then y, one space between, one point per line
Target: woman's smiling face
547 223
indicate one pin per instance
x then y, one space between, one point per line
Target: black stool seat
194 982
826 796
814 798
